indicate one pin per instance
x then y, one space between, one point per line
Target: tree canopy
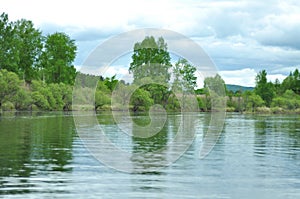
151 59
37 73
25 51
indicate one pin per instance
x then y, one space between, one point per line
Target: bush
263 109
230 109
277 110
40 101
141 100
22 100
8 106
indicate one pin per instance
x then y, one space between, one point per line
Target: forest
37 74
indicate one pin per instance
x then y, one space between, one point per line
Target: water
41 156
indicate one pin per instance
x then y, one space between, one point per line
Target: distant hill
234 88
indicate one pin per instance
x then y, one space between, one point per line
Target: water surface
41 156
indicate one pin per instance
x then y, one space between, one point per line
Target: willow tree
151 60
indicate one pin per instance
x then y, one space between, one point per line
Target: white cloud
243 77
273 77
246 77
237 35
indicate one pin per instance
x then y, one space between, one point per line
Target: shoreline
98 112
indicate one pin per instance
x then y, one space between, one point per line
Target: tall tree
57 58
9 85
29 42
8 48
252 101
151 59
215 84
292 82
215 91
185 78
264 88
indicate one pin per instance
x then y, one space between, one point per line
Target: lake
256 156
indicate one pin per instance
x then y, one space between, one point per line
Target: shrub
8 106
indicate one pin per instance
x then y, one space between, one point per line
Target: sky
241 37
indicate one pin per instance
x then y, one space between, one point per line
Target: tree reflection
34 146
260 141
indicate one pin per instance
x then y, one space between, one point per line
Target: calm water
41 156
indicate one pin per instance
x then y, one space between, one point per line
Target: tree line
266 97
37 73
36 70
25 51
151 60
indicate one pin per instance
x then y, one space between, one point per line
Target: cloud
273 77
237 35
280 29
243 77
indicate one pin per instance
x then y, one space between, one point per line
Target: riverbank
259 111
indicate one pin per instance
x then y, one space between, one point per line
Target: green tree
40 100
252 101
151 60
141 100
292 82
215 92
22 100
215 84
111 82
57 58
185 78
103 94
8 48
289 100
9 85
277 86
263 88
29 44
185 82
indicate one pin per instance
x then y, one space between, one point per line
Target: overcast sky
241 37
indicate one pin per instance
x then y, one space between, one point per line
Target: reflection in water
260 140
162 149
255 157
146 155
34 147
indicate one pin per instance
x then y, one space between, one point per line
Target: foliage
252 101
40 100
150 59
111 82
263 88
8 51
87 80
57 57
292 82
215 84
289 100
29 45
37 72
185 79
141 100
215 90
22 99
26 52
201 104
9 85
8 106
